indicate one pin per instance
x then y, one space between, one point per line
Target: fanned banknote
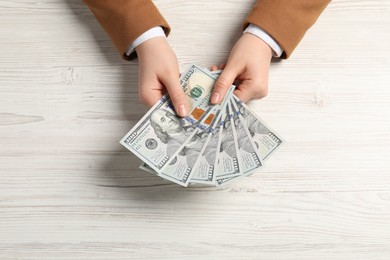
250 159
228 161
266 140
143 140
204 167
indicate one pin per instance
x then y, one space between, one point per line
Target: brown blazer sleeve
125 20
286 20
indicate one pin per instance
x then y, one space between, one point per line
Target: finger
249 90
223 83
222 66
176 93
212 68
243 93
148 94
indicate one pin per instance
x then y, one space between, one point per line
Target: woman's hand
249 63
158 73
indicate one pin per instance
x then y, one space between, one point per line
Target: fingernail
215 98
182 110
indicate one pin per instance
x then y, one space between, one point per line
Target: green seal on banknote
197 91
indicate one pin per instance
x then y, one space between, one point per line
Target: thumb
176 94
224 81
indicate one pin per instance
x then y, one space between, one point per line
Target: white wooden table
68 190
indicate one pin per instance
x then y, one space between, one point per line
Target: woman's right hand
159 73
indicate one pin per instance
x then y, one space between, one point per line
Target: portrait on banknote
170 129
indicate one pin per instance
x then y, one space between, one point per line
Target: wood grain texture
68 190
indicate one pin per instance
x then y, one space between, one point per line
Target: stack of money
214 144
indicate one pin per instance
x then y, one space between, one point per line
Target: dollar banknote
228 162
205 163
250 159
265 139
204 168
247 149
144 141
160 134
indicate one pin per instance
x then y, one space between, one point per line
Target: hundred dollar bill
228 162
222 181
180 169
145 142
265 139
159 135
247 150
204 168
250 159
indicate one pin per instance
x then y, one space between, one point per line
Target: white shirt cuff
149 34
257 31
